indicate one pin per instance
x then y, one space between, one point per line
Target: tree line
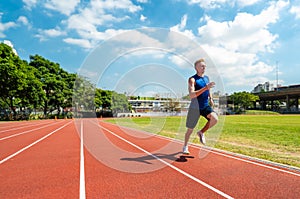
43 86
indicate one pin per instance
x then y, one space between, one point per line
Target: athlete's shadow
157 156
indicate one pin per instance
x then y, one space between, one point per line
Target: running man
201 104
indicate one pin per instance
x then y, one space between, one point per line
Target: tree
57 84
119 103
18 84
69 79
111 101
244 99
32 94
103 98
83 95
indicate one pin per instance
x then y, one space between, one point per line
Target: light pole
277 75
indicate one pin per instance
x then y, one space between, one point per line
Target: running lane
21 136
47 169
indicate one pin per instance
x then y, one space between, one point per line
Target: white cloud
143 18
30 4
181 27
64 7
246 33
244 3
54 32
92 39
141 40
89 21
23 20
213 4
80 42
179 61
208 4
234 45
237 35
296 11
114 5
5 26
45 34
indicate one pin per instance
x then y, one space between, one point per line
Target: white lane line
82 177
11 129
32 144
231 155
14 135
171 166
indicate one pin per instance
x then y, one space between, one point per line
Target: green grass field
271 137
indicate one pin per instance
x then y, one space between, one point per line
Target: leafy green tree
32 94
244 99
106 100
103 98
69 79
83 95
55 83
18 84
119 103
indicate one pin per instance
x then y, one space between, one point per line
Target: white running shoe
185 150
202 137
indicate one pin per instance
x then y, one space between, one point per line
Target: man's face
200 67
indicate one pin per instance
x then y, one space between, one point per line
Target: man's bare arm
193 93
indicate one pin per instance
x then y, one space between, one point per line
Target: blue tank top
202 100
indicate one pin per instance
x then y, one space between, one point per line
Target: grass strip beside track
270 137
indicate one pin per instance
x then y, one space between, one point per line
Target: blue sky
243 40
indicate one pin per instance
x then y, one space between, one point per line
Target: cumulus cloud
64 7
80 42
30 4
244 3
23 20
45 34
5 26
143 18
296 11
181 27
115 4
208 4
237 35
97 15
234 45
213 4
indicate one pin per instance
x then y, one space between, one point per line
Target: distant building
164 105
287 96
266 87
158 105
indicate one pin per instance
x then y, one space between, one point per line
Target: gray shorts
194 115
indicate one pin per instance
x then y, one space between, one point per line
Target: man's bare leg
212 122
187 136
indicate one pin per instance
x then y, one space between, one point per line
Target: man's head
200 66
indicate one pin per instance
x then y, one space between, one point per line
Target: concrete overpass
289 94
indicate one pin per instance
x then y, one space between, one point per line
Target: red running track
47 159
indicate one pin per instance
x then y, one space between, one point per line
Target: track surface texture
88 158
